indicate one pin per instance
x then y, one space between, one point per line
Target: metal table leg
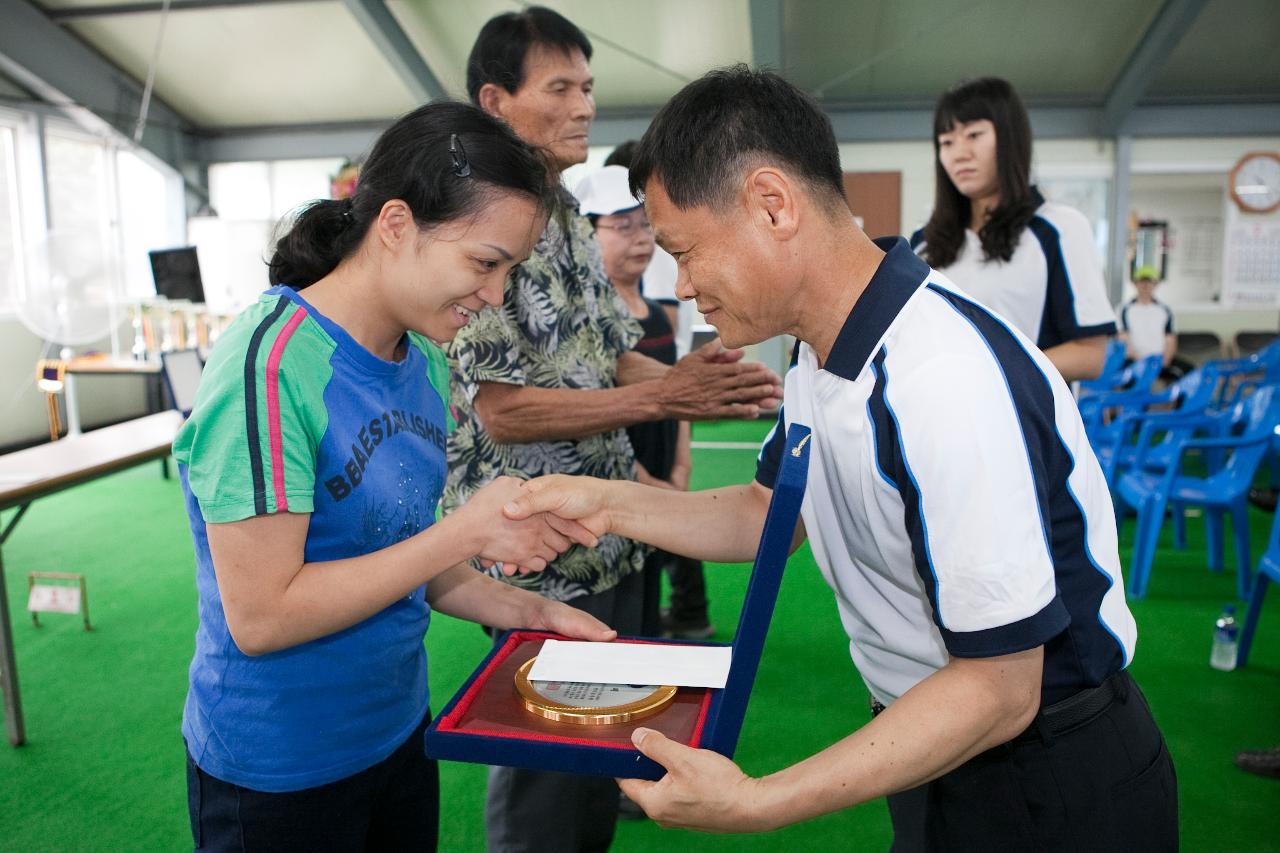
8 668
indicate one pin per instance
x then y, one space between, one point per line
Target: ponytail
444 160
320 236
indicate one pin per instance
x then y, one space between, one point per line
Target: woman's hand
560 618
519 545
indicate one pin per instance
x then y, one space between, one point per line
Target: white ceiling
294 63
643 52
311 63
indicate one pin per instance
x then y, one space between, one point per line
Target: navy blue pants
393 805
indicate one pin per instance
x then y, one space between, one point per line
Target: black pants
392 806
1106 785
688 592
541 811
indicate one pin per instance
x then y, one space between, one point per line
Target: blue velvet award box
486 722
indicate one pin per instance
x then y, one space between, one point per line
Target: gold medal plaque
589 704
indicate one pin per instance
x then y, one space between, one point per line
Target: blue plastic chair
1244 375
1134 387
1191 396
1112 367
1222 491
1268 573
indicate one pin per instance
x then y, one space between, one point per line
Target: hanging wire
151 75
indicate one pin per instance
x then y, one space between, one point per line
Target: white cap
605 191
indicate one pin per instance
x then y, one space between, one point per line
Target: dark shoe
1263 499
701 629
1261 762
628 810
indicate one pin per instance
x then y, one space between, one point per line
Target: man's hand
574 499
525 544
712 382
702 790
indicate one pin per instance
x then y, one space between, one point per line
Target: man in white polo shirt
1146 324
953 506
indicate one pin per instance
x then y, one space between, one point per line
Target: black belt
1070 712
1076 709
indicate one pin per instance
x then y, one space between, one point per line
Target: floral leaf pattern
561 325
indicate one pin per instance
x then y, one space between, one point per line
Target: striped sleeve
250 444
437 374
971 502
1076 302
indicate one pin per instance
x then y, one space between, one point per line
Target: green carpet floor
104 768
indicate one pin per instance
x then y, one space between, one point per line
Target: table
27 475
99 366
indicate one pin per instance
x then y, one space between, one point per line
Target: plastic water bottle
1225 640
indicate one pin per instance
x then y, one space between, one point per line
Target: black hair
413 161
504 41
622 155
995 100
703 138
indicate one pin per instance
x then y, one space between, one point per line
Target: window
10 234
268 191
97 205
250 198
81 225
150 218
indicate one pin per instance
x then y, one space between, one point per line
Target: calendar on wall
1251 265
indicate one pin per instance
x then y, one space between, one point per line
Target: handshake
520 526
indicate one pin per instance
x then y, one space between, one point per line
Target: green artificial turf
104 767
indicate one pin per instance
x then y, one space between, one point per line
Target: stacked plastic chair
1109 378
1222 491
1246 374
1268 573
1132 388
1194 395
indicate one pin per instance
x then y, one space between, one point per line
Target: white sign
54 599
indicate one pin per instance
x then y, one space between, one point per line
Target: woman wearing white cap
661 447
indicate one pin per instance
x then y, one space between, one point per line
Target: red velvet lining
450 721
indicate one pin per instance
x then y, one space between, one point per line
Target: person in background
1146 326
1033 262
688 617
663 457
312 465
659 280
548 382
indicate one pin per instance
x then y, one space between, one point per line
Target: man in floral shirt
548 382
561 326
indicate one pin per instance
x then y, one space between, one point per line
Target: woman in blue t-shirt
312 465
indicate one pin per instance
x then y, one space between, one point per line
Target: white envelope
633 663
